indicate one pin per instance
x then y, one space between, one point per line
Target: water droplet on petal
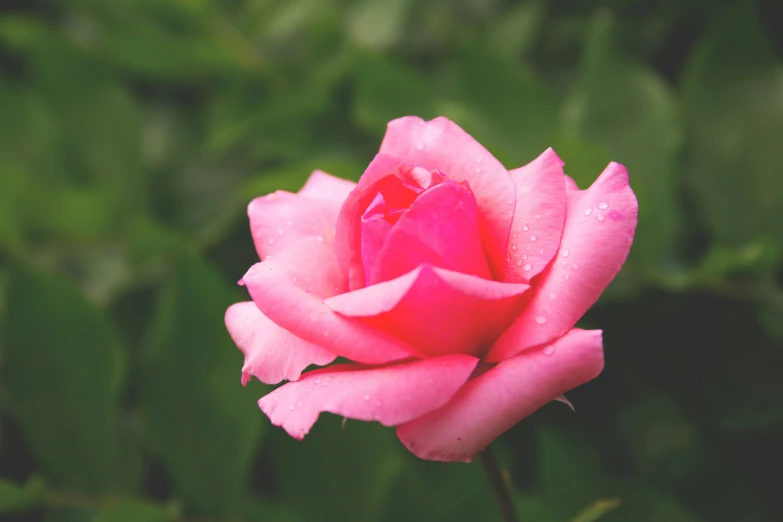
588 211
552 296
533 238
289 223
516 234
299 404
566 252
510 201
419 146
541 251
600 217
366 397
537 216
479 160
513 246
525 228
519 263
271 241
603 205
528 268
575 266
549 350
540 319
293 279
320 239
291 407
478 171
318 381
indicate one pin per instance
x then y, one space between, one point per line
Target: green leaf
199 419
19 498
626 108
135 511
386 90
597 509
732 91
509 109
62 370
339 473
568 472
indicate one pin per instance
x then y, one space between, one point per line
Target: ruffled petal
539 216
435 310
289 288
280 219
496 400
272 354
321 185
442 144
598 232
388 394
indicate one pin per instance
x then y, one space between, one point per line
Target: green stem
498 485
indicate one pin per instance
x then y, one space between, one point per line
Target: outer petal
321 185
289 288
280 219
442 144
389 394
493 402
436 310
597 237
440 228
538 220
570 184
271 353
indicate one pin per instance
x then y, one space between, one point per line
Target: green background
133 133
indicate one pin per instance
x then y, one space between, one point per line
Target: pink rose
452 283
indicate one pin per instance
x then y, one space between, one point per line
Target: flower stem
498 485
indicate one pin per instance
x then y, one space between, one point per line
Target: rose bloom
450 283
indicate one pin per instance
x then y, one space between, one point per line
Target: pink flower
452 283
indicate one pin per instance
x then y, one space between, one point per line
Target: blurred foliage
134 132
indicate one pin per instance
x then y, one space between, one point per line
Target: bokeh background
133 133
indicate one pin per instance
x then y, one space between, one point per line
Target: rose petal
538 220
389 394
272 354
440 228
435 310
289 288
321 185
496 400
347 242
597 237
280 219
442 144
570 184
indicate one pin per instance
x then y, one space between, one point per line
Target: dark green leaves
732 94
202 423
62 368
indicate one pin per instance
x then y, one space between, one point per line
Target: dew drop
299 404
366 397
540 319
293 279
549 350
552 296
291 407
317 381
289 223
419 146
525 228
519 263
478 171
513 246
516 234
271 241
588 211
600 217
479 160
533 238
524 256
320 239
538 216
279 231
574 266
566 252
541 251
510 201
603 205
528 268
